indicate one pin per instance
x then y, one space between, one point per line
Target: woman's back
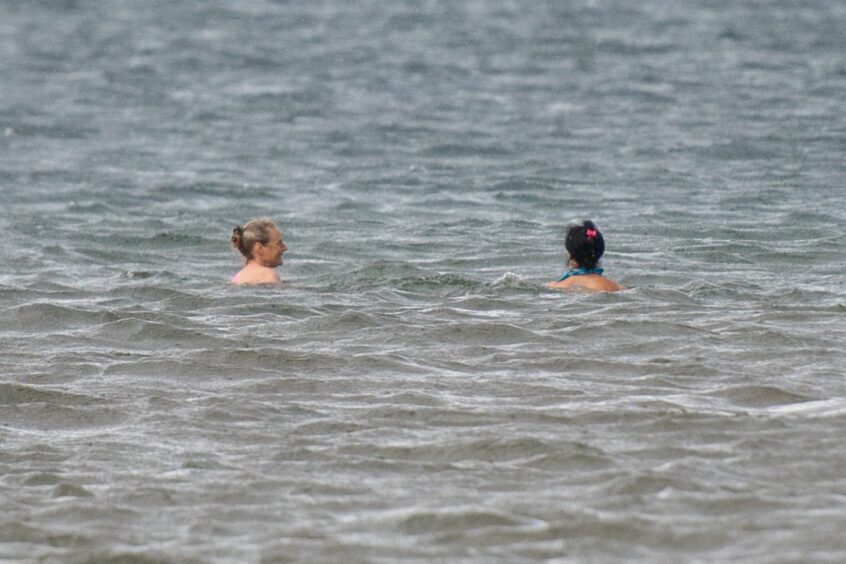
591 282
585 246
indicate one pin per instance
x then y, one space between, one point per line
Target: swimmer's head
260 240
585 244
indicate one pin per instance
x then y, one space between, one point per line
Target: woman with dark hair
585 245
260 242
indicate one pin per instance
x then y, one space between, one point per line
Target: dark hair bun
585 244
237 234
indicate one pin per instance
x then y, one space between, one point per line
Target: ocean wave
43 316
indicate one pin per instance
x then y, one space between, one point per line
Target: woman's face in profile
270 254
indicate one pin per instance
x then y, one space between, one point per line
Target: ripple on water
137 333
463 519
41 316
488 334
37 408
457 451
758 395
282 361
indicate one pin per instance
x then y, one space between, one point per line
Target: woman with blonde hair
260 242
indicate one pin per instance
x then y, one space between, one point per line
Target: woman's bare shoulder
253 274
592 282
560 284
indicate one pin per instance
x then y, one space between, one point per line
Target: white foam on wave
835 407
509 278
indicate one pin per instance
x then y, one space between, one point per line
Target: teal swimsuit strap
580 272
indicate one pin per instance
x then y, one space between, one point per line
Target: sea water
414 393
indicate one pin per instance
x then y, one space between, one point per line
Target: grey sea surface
414 393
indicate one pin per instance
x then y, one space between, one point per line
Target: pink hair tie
590 233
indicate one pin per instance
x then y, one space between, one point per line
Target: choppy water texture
415 394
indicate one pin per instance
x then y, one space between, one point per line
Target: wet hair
255 231
585 244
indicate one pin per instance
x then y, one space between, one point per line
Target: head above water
259 240
585 244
